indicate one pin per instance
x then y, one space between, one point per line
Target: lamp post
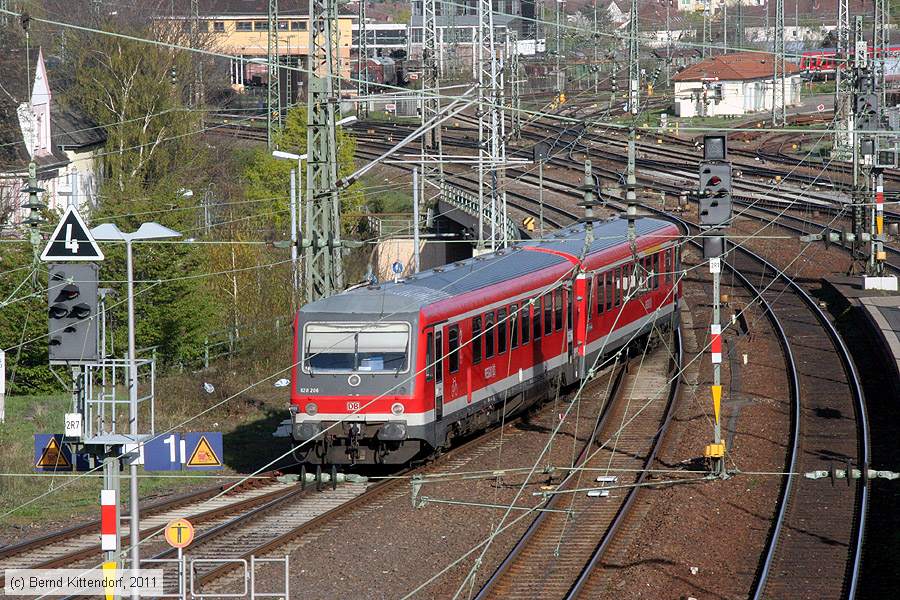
296 191
147 231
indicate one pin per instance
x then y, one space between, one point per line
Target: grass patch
247 422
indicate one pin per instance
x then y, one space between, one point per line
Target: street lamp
296 195
147 231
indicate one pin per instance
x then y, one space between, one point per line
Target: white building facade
732 85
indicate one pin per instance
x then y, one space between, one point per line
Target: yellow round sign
179 533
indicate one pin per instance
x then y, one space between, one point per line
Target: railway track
74 544
556 547
816 538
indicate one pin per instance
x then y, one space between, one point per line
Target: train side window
439 353
608 289
548 315
570 304
489 333
429 356
618 286
558 308
526 321
453 349
501 331
590 296
536 321
668 268
476 340
514 326
654 267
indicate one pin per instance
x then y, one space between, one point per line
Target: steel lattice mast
515 85
843 91
634 56
560 71
490 117
779 113
707 30
881 43
362 64
322 266
432 150
634 86
197 91
273 103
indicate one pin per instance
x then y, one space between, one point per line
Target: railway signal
715 193
715 213
74 302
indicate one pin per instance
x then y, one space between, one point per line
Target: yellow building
240 28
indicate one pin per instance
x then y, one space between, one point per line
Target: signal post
715 213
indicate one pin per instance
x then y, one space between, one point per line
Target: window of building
501 331
489 332
283 25
476 340
453 349
298 25
260 25
218 26
244 26
514 326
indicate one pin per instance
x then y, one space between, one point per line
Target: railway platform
876 310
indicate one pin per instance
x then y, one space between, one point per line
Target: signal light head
69 292
80 311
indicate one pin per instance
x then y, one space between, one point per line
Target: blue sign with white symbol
163 453
397 267
203 451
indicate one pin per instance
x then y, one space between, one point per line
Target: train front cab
353 397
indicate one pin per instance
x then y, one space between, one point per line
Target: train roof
429 287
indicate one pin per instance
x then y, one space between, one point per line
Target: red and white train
822 63
391 372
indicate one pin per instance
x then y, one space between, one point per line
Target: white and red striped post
109 520
715 345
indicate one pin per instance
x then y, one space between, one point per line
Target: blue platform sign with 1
163 453
194 451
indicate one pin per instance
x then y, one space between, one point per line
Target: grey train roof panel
473 274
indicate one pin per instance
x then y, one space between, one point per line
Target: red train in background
393 372
821 64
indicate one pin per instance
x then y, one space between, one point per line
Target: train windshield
360 347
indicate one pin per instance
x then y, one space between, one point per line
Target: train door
439 373
434 366
569 299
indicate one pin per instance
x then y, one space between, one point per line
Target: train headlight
311 408
397 408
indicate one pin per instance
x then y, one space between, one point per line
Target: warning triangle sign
71 240
204 455
53 457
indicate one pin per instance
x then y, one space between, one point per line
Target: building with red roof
733 84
